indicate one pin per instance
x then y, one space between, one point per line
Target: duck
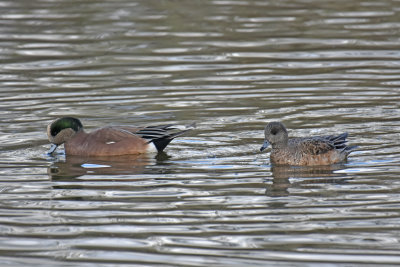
110 140
306 151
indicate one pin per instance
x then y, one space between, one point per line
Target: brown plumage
109 141
309 151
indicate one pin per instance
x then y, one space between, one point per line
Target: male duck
110 141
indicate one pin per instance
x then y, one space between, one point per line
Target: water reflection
76 166
280 184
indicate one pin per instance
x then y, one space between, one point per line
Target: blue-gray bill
265 145
52 149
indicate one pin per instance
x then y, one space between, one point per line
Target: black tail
160 144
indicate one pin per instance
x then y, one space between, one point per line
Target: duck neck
280 145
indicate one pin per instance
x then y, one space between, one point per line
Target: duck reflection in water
315 157
76 166
305 176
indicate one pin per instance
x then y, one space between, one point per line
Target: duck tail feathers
162 135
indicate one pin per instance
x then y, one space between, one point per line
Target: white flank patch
152 148
110 143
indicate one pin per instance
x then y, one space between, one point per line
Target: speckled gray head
275 134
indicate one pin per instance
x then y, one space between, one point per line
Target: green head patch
65 123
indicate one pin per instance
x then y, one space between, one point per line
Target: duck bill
265 145
52 149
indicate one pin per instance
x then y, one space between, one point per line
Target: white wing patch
110 143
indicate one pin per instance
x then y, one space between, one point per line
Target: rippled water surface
212 199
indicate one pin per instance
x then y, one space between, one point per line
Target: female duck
309 151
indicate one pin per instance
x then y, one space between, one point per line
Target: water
212 199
